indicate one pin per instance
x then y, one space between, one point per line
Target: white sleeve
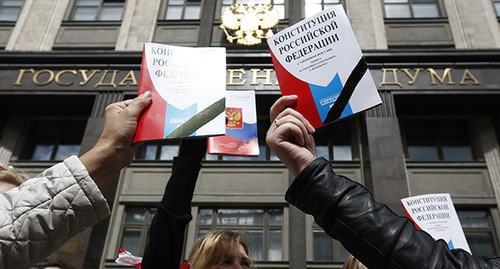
41 214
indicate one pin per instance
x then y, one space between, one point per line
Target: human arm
114 149
166 237
41 214
347 211
44 212
369 230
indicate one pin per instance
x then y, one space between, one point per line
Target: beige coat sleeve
37 217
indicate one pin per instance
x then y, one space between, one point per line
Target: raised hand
114 149
290 135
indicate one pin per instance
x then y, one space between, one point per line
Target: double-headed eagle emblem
249 24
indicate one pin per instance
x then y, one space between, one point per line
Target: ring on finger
276 122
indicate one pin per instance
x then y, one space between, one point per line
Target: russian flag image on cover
241 127
188 87
319 59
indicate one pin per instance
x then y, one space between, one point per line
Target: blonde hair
353 263
11 176
213 248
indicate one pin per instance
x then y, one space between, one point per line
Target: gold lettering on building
237 77
62 72
394 77
46 74
435 76
236 74
129 77
20 75
87 78
111 83
390 77
469 76
413 78
266 76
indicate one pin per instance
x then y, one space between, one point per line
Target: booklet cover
241 127
435 214
188 86
319 59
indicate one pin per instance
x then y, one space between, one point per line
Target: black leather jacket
369 230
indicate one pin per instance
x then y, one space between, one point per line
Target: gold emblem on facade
249 23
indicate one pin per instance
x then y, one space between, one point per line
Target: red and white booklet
241 127
188 87
319 59
435 214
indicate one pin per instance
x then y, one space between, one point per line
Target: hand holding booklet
319 59
188 86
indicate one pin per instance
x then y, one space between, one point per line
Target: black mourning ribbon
357 73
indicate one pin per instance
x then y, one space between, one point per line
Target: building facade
435 62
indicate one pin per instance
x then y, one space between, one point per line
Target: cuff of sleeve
87 184
303 192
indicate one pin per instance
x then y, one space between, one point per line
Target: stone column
37 26
385 175
138 24
367 21
206 23
486 136
296 237
474 24
295 11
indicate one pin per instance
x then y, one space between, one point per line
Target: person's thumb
139 103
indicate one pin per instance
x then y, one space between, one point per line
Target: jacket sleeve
41 214
369 230
166 238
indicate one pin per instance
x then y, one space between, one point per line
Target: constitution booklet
435 214
319 59
241 127
188 87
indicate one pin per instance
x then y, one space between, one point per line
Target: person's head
9 178
353 263
220 249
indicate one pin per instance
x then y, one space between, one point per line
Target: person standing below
217 250
347 211
352 263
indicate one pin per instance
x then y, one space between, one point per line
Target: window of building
135 232
479 232
278 5
314 6
183 10
10 9
98 10
54 140
326 249
496 4
437 140
411 9
263 228
167 150
333 142
163 150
